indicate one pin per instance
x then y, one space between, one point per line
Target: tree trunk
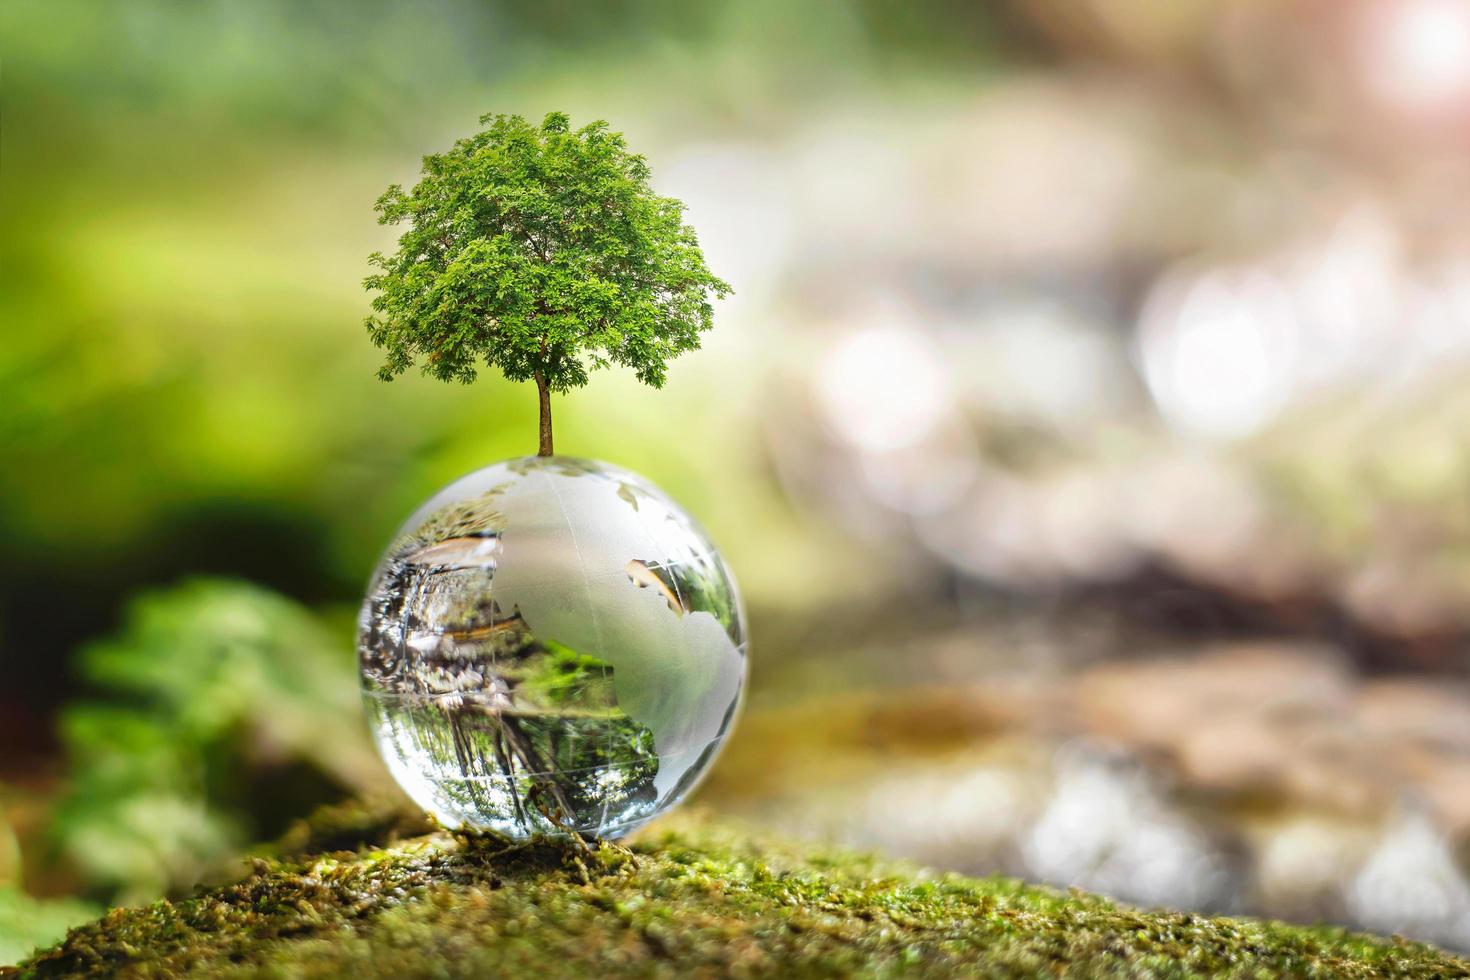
545 391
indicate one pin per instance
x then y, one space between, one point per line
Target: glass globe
550 645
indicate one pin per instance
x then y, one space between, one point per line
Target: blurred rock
1259 777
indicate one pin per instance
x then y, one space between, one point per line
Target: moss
692 899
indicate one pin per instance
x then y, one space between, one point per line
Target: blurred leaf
211 683
27 923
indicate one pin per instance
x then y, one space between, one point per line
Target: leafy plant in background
544 252
215 695
27 922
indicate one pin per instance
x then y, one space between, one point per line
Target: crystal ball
551 645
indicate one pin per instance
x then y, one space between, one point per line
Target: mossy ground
363 894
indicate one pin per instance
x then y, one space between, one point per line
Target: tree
544 252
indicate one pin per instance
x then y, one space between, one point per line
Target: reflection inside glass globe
550 645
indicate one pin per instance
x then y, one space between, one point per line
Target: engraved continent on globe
550 645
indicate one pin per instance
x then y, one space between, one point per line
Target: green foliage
694 900
544 252
209 685
27 923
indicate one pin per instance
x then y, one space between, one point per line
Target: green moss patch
692 899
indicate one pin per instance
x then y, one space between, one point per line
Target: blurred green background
188 199
1087 429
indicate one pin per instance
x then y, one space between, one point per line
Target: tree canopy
541 251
